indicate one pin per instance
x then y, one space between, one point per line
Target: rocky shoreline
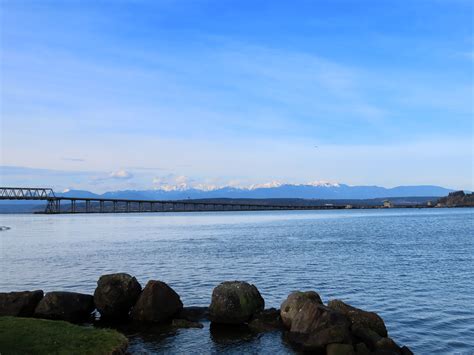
305 322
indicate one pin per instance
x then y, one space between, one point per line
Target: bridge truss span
26 193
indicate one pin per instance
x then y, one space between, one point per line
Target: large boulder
116 294
294 303
69 306
235 302
315 326
360 317
19 304
157 303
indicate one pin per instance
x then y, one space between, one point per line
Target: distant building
387 204
348 206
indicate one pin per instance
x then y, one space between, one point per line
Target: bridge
60 204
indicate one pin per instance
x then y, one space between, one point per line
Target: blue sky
105 95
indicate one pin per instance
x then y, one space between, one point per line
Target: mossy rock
40 336
116 294
235 302
157 303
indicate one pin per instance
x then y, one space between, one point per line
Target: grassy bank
39 336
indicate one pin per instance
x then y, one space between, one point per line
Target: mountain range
272 190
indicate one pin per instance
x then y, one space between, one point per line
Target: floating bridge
60 204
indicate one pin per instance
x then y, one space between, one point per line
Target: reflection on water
414 267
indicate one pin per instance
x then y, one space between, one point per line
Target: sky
109 95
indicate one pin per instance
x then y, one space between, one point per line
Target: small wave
4 228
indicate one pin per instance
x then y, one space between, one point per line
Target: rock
19 304
184 323
314 317
235 302
116 294
387 346
386 343
194 314
315 326
317 342
362 349
69 306
157 303
293 304
376 343
266 321
366 335
340 349
405 351
360 317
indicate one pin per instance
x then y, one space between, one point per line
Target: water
414 267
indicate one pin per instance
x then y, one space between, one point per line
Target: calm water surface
414 267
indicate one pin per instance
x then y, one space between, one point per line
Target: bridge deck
61 204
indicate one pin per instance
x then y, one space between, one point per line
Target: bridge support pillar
52 206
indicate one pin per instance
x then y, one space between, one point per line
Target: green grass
39 336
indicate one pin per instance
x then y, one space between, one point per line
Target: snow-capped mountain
313 190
